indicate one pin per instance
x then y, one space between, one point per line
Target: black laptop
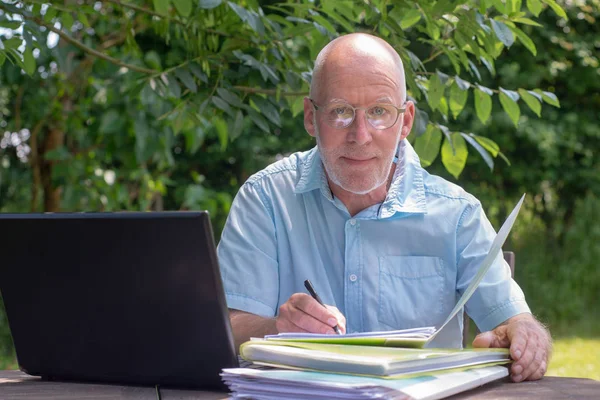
129 298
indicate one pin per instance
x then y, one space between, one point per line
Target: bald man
386 245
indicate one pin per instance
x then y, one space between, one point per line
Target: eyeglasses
341 115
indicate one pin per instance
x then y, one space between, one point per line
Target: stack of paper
282 384
366 360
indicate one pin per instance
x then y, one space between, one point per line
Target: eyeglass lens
380 116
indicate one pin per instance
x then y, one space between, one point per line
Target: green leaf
458 99
323 22
152 59
230 97
436 90
548 97
532 101
29 61
535 6
428 144
186 78
503 32
526 21
221 128
454 154
258 119
420 123
410 18
483 105
488 144
197 71
50 14
525 40
161 6
208 4
556 8
268 110
250 17
298 106
236 129
84 20
510 93
174 88
222 105
67 20
483 152
511 107
432 29
183 7
500 6
464 85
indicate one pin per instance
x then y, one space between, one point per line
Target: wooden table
17 385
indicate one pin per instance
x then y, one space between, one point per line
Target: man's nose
360 129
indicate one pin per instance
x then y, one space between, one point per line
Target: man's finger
312 307
535 364
518 342
521 365
496 338
484 340
341 320
308 322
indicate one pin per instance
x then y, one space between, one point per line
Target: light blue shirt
399 264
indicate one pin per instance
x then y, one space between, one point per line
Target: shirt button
353 277
352 222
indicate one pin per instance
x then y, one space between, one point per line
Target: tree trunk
53 139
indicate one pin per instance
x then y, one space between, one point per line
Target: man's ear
408 117
309 117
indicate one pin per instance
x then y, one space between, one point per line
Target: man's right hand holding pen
303 313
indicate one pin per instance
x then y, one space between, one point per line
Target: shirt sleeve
498 297
247 254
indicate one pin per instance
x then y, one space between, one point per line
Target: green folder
367 360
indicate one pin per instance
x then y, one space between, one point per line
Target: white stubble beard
333 171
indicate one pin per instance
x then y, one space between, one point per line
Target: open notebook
415 337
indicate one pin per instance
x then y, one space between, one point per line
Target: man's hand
302 313
530 345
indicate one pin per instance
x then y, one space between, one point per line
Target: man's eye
341 110
378 111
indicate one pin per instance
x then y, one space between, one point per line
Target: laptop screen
119 297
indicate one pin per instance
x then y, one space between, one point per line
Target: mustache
353 152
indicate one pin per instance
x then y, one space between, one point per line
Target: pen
315 296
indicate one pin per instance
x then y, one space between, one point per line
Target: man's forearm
246 325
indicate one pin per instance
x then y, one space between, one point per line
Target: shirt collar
406 193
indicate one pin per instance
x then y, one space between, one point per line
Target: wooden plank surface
547 388
17 385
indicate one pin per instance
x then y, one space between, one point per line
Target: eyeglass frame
399 109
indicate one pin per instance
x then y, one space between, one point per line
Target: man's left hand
530 345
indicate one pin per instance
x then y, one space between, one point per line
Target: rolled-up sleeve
498 297
247 254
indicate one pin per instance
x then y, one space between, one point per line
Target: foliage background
189 98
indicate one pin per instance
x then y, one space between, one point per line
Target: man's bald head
354 50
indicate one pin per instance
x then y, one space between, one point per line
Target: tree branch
89 50
247 89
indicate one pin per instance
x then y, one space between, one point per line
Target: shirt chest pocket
411 291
